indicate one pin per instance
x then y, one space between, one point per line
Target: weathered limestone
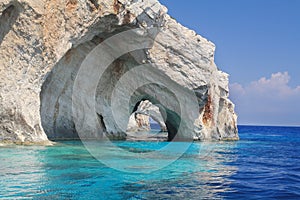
44 42
140 119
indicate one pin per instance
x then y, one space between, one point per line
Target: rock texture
44 42
140 119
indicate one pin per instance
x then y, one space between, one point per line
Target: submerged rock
43 44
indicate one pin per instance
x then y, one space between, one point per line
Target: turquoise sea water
264 164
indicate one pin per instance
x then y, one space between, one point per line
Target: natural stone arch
57 90
54 37
140 118
56 94
157 95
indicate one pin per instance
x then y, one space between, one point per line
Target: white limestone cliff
44 42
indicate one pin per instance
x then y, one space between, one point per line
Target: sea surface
264 164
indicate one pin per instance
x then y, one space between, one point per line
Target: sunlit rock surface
140 119
44 42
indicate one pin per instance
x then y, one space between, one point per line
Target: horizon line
270 125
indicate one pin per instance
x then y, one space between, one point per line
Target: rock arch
140 118
40 59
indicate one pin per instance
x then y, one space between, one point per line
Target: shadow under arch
154 112
171 118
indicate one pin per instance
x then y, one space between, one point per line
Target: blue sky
258 44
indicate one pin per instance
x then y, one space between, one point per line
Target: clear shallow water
264 164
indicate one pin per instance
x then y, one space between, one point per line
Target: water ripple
264 164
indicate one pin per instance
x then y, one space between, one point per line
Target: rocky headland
43 44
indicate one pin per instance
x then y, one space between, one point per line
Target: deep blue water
264 164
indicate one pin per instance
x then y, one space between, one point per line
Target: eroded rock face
43 44
140 119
